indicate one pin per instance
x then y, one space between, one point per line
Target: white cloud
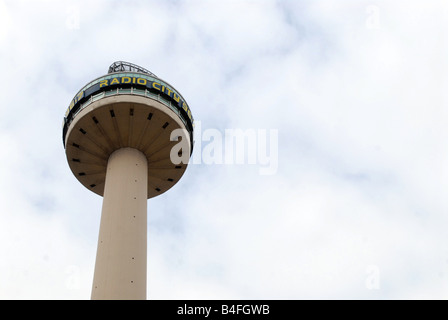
355 89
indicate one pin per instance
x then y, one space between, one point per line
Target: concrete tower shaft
120 269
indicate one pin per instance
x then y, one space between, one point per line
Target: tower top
119 66
129 107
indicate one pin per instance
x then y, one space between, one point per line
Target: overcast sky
352 93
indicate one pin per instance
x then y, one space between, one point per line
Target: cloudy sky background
357 91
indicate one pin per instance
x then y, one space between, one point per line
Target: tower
128 136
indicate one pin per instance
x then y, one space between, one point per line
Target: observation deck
128 107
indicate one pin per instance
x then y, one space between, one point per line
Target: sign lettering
118 79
